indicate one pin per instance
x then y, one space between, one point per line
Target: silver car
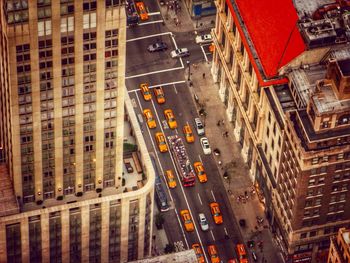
199 126
205 145
203 222
180 52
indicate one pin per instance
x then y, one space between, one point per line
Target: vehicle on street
213 254
170 118
199 126
132 18
203 39
145 91
158 46
205 145
180 52
182 162
203 222
171 178
159 94
199 252
241 253
161 142
159 193
216 213
188 133
141 10
187 220
200 172
151 122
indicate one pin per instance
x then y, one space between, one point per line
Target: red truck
182 162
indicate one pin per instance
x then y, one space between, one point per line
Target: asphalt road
160 69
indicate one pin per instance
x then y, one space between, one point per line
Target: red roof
272 27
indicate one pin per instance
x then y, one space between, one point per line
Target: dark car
159 46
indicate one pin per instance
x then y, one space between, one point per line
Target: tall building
339 251
65 111
282 69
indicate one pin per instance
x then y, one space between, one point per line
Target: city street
159 69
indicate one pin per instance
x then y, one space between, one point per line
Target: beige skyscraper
63 117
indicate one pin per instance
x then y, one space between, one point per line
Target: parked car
180 52
203 39
205 145
199 126
158 46
203 222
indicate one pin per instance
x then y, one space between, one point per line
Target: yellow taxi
159 94
199 252
211 48
171 178
146 93
151 122
188 133
161 142
170 118
213 254
187 220
199 169
216 213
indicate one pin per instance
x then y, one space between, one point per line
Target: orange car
170 118
159 93
215 211
161 142
151 122
187 220
202 176
188 133
199 252
145 91
213 254
171 178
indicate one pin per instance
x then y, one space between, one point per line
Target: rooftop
308 7
8 201
345 67
187 256
272 27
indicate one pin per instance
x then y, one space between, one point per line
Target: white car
203 222
199 126
203 39
205 145
180 52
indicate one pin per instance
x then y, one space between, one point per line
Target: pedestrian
226 134
223 134
203 75
218 124
222 121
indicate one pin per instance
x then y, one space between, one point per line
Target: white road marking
200 200
149 36
175 88
182 189
151 22
213 195
153 72
160 85
154 13
212 235
176 131
182 228
200 158
205 55
156 153
225 231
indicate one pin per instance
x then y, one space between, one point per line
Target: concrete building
339 251
282 70
66 194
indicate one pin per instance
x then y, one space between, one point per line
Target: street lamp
189 70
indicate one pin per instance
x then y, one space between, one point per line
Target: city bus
141 9
159 193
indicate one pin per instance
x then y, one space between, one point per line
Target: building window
315 160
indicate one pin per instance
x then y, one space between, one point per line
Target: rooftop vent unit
318 33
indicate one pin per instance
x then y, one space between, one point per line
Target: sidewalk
239 182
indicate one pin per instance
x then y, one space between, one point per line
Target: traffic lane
147 28
187 40
140 61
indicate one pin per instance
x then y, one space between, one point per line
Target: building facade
63 138
284 83
339 250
